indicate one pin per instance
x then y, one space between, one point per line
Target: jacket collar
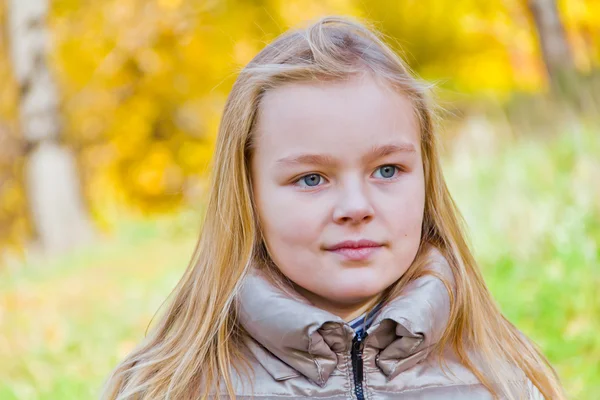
305 339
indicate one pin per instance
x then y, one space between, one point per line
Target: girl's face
335 162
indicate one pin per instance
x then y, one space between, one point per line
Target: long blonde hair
192 348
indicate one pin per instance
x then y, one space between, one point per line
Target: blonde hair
192 348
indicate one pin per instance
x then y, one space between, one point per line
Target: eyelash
398 169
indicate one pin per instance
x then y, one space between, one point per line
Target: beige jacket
299 351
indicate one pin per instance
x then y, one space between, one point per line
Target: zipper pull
357 348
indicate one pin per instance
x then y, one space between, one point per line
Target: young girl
332 263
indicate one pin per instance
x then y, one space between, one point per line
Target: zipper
357 364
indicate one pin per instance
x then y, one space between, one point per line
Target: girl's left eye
387 171
312 180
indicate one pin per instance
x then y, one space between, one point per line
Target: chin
354 291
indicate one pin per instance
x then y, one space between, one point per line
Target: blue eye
310 180
387 171
313 180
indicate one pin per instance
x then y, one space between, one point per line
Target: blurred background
108 116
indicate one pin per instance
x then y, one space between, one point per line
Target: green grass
533 209
65 323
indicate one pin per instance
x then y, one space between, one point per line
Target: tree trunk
554 46
53 189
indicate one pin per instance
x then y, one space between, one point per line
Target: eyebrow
327 160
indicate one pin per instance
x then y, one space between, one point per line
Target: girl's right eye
311 180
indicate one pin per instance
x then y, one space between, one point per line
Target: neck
346 311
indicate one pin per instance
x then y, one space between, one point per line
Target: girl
332 263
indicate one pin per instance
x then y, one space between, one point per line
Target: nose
354 205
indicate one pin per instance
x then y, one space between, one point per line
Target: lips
356 250
354 244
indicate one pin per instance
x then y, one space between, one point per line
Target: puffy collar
305 339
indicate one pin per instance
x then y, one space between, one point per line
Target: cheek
292 240
405 215
409 220
289 230
288 222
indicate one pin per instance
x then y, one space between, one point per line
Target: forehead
343 118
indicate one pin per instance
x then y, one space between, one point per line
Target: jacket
298 351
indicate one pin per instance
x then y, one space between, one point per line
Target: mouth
357 253
358 250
